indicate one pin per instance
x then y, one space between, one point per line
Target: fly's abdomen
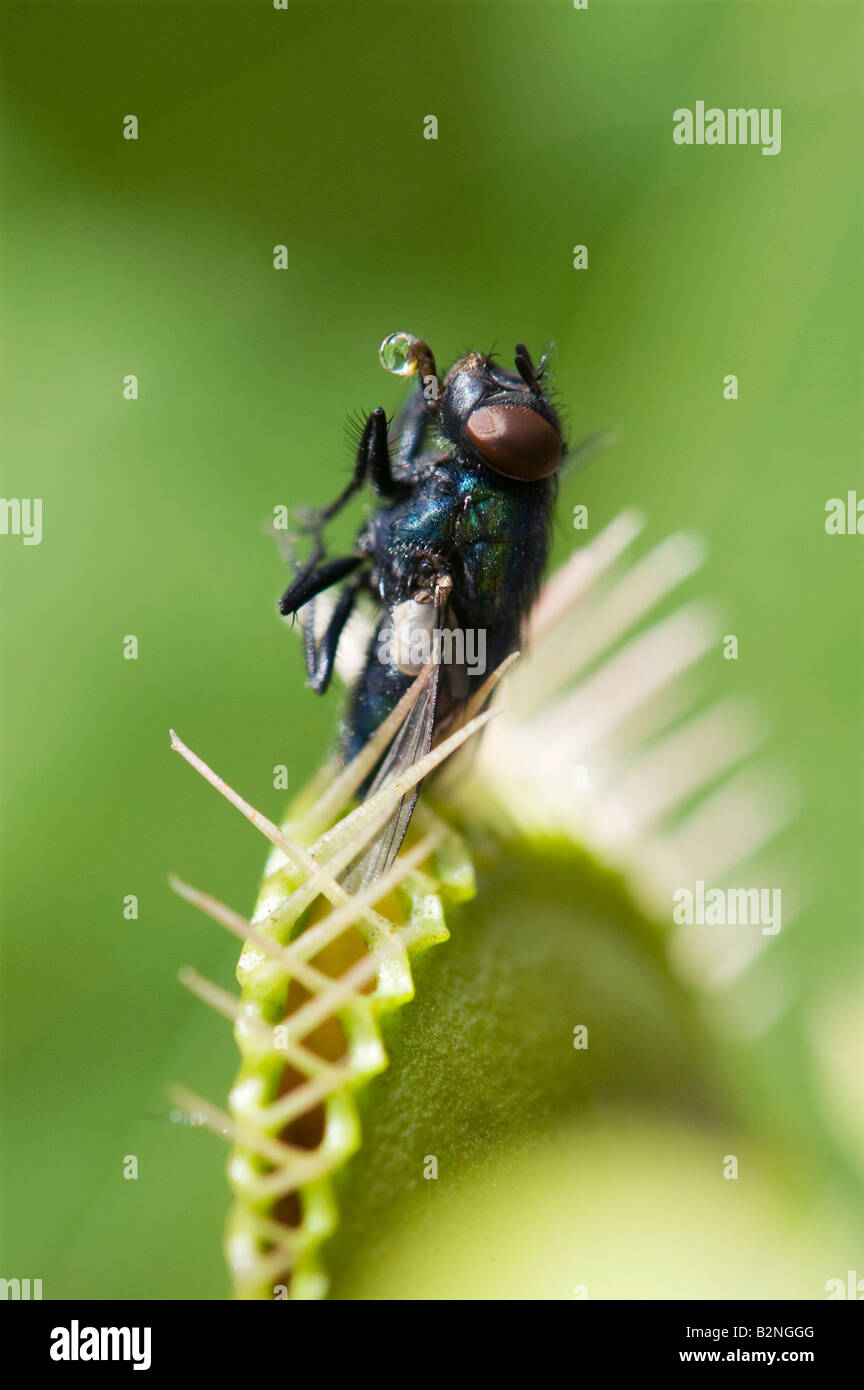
379 688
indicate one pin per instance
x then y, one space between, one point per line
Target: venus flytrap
306 1020
324 973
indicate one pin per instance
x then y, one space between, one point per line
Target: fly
453 556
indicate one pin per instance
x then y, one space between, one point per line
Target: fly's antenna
525 368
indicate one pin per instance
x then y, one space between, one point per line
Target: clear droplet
398 354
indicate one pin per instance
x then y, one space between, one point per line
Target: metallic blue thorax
492 534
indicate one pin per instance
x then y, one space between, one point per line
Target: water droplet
398 354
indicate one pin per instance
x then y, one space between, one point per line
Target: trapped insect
453 556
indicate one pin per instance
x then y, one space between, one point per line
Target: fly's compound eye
515 441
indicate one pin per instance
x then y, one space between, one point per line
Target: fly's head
502 419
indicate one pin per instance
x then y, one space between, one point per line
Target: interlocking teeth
266 1168
670 797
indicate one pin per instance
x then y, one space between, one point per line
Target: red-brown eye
515 441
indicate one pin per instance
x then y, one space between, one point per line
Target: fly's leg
373 456
311 580
411 429
372 462
321 658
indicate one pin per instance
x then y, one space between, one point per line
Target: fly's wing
412 742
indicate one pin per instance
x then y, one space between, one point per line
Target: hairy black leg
374 444
310 581
321 658
372 461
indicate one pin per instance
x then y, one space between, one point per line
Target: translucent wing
412 742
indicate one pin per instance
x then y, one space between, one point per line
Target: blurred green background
155 257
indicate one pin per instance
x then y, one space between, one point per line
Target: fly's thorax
485 514
414 527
